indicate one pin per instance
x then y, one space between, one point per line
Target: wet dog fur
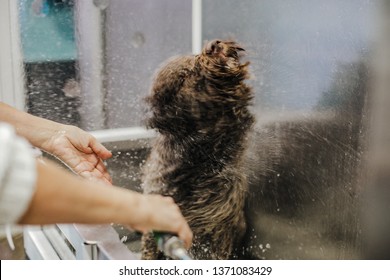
199 105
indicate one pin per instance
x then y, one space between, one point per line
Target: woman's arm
75 147
35 129
61 197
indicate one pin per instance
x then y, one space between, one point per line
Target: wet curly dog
199 105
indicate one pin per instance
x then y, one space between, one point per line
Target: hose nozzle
171 246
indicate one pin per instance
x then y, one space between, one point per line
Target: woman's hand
75 147
161 213
80 151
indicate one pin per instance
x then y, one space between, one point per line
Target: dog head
199 93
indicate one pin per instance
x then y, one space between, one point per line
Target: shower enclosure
318 159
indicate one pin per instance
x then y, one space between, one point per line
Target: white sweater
17 175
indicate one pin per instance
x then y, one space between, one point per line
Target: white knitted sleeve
17 175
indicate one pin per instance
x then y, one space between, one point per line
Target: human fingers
177 222
86 142
159 213
101 167
185 234
183 231
99 149
92 167
87 165
96 175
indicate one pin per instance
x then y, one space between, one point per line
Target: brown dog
199 106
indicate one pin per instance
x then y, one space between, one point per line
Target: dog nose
212 46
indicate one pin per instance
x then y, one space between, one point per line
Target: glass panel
49 52
311 64
139 36
115 45
296 47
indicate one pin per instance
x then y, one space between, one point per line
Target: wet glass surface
314 70
140 35
49 57
311 65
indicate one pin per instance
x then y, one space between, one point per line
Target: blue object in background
47 30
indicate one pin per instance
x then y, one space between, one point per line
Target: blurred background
319 156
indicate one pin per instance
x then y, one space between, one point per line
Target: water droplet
138 39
